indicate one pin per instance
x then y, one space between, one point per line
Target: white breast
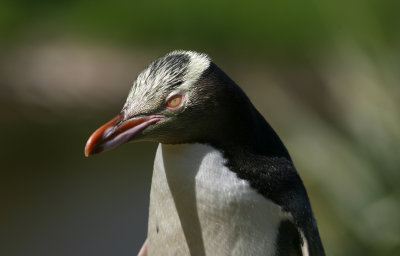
199 207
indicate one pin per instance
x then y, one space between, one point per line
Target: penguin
223 182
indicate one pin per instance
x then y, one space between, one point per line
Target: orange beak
116 132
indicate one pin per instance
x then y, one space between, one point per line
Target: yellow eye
174 101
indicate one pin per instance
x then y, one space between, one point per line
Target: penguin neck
247 130
232 121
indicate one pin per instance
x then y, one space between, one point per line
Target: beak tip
87 151
90 146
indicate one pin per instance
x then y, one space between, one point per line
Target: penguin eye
174 101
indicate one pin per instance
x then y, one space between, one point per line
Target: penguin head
173 100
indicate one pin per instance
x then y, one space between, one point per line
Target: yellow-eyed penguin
223 182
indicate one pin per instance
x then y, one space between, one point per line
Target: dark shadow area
186 205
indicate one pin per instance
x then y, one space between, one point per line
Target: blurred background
325 74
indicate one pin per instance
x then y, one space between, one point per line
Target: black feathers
255 152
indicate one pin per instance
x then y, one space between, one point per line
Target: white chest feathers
199 207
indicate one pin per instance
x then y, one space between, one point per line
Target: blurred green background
325 74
